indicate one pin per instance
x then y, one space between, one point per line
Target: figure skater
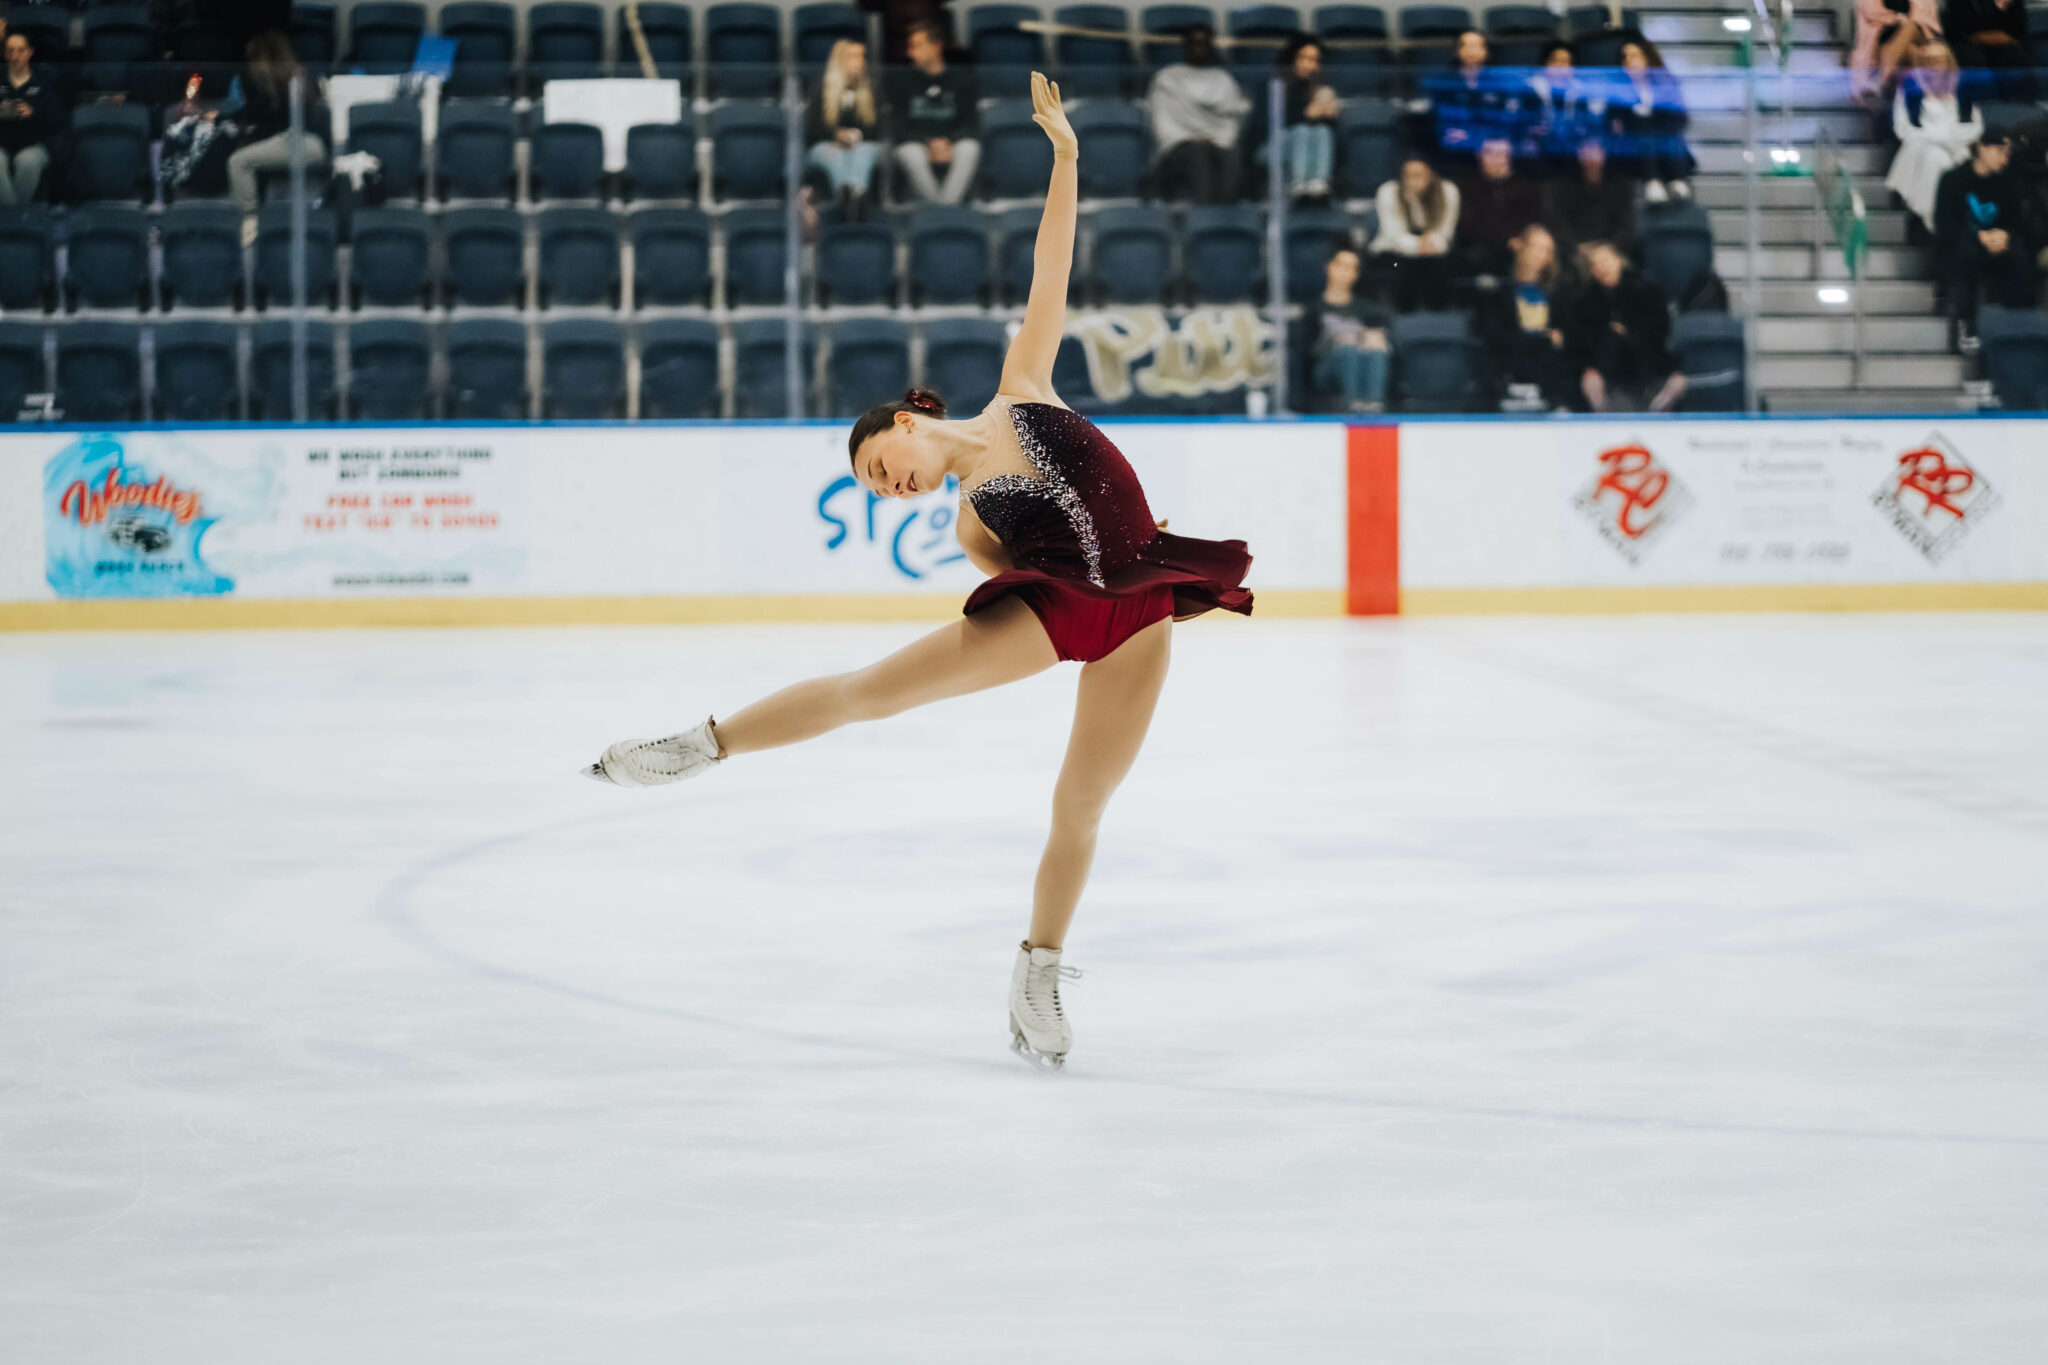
1078 570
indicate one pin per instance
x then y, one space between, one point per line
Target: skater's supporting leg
1111 714
999 644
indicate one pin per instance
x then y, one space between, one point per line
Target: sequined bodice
1081 513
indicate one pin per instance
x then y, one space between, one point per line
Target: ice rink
1614 989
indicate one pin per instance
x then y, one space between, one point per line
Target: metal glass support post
1752 294
295 94
1276 236
792 247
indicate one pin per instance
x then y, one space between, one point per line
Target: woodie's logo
90 506
1934 496
1631 498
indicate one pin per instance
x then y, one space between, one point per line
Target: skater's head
892 449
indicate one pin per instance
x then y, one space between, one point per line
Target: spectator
1979 236
1936 129
843 121
1418 217
1646 118
1347 332
1886 30
1591 205
1521 325
1496 205
1992 34
1308 136
1562 109
266 119
31 115
1471 103
1196 107
935 120
1616 330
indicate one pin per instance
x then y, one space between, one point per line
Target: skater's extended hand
1047 113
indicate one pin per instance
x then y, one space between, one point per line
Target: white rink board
1743 504
610 511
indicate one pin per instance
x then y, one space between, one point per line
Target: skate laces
1042 987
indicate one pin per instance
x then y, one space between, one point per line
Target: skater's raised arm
1027 369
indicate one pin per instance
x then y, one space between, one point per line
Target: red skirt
1176 576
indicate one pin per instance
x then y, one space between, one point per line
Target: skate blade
596 773
1038 1061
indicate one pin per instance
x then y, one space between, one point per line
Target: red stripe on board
1373 477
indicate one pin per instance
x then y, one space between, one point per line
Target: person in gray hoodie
1196 108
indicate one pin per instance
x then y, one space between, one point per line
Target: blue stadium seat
484 33
99 371
311 30
1016 244
270 370
1435 22
21 366
747 152
1254 65
584 364
2015 353
667 29
1433 369
756 254
1130 255
107 264
949 256
390 370
671 256
48 30
388 264
869 363
1595 41
384 37
109 152
1369 147
1678 245
579 256
390 132
1016 157
473 151
743 51
1116 149
661 161
2037 23
273 263
814 28
27 277
202 254
963 360
1310 236
759 362
678 368
117 37
564 42
485 252
1356 70
1004 55
1162 27
1711 355
1070 378
198 375
486 369
568 161
1225 250
1517 34
856 263
1094 67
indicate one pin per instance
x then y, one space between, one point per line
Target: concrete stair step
1848 127
1696 27
1773 192
1865 400
1881 298
1813 90
1881 336
1725 158
1726 56
1792 227
1798 263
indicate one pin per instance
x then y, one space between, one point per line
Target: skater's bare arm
1027 369
984 551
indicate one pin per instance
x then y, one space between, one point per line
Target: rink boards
528 523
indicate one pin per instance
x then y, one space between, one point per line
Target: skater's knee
1078 805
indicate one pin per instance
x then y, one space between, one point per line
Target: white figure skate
656 762
1039 1032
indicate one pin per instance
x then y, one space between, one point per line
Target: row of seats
392 375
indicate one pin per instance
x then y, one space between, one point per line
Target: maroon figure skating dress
1090 560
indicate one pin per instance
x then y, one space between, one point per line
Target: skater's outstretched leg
999 644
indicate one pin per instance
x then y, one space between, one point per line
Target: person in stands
841 125
1196 108
933 105
1522 324
31 116
266 120
1887 31
1470 103
1347 334
1561 113
1496 205
1992 35
1646 120
1617 330
1308 137
1591 205
1937 125
1418 218
1981 249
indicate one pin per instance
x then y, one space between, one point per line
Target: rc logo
1631 499
1934 496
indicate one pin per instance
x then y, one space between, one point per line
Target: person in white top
1418 215
1196 107
1933 133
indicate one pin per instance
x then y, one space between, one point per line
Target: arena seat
486 369
1515 34
760 387
1161 27
1356 71
390 370
869 363
1003 54
1016 157
949 256
1434 367
678 368
579 256
388 264
1116 149
273 261
1711 355
1309 235
747 151
27 273
564 42
756 256
202 254
743 51
814 28
1678 244
1093 67
1130 255
270 370
117 39
671 255
47 28
389 131
963 361
856 263
661 161
21 366
107 264
473 149
99 371
311 30
1225 250
484 248
2015 354
109 152
1016 247
384 37
567 161
584 368
197 371
1369 149
670 42
485 38
1252 65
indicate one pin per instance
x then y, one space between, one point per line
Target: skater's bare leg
999 644
1112 711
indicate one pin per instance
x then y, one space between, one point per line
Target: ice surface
1644 990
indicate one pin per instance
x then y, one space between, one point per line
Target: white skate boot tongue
1044 957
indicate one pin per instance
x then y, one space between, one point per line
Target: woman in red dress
1078 571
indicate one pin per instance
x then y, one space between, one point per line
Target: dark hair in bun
881 416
